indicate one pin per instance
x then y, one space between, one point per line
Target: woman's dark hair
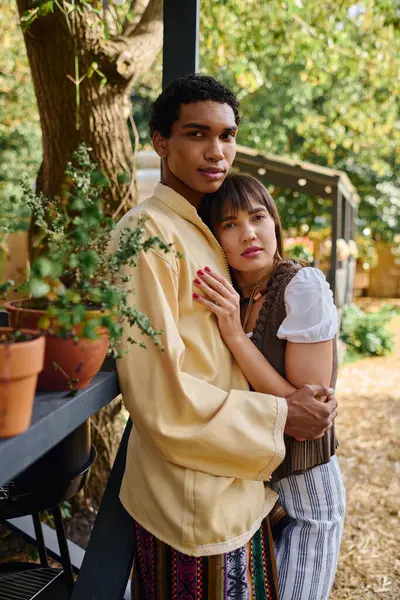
188 90
235 194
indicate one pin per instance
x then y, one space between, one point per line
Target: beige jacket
202 443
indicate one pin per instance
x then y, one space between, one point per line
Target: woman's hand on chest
217 295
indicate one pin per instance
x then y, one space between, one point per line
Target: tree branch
137 9
110 17
133 54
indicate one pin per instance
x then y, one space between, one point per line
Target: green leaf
80 237
90 329
29 17
99 179
38 288
47 8
124 178
88 261
78 314
73 261
77 203
43 267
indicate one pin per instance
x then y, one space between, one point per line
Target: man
202 444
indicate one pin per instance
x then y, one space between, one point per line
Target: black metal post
64 551
40 540
181 39
109 556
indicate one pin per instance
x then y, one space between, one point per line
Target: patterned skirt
162 573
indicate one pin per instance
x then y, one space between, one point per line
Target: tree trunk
71 112
60 51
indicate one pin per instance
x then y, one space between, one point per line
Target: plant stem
77 88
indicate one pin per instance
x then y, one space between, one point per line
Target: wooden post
336 222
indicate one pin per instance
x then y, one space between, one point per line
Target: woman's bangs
232 199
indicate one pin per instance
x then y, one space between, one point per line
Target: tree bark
89 112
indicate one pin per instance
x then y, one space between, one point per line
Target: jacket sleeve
190 422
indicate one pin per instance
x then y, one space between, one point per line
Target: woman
288 311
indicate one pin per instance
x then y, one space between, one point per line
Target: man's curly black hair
187 90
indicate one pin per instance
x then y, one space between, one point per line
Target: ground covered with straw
368 392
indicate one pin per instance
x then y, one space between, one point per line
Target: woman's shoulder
291 276
284 272
309 279
311 314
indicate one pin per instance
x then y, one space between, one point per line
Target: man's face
200 150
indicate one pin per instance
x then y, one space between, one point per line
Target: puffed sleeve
310 309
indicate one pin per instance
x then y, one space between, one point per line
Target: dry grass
368 392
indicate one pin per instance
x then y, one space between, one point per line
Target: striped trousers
307 550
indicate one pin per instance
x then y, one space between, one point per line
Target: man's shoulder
152 209
152 215
148 208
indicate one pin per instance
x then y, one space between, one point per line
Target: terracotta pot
20 363
68 364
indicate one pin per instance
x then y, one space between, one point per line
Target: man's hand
308 418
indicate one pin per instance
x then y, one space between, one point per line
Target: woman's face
248 240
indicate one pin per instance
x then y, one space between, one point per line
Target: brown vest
299 455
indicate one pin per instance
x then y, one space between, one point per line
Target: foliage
366 332
20 139
15 336
300 248
71 272
14 216
368 255
317 81
299 252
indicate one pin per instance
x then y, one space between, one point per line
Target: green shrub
299 252
367 332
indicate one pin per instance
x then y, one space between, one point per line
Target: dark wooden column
181 39
336 225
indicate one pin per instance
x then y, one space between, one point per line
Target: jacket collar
175 201
182 207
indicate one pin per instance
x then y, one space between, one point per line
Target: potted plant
75 294
21 351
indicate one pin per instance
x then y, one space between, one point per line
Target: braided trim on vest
284 273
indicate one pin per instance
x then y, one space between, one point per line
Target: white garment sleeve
311 312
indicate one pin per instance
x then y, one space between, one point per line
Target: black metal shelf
55 415
33 584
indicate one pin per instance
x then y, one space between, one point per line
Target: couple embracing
233 419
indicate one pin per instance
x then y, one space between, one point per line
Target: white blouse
311 314
310 309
